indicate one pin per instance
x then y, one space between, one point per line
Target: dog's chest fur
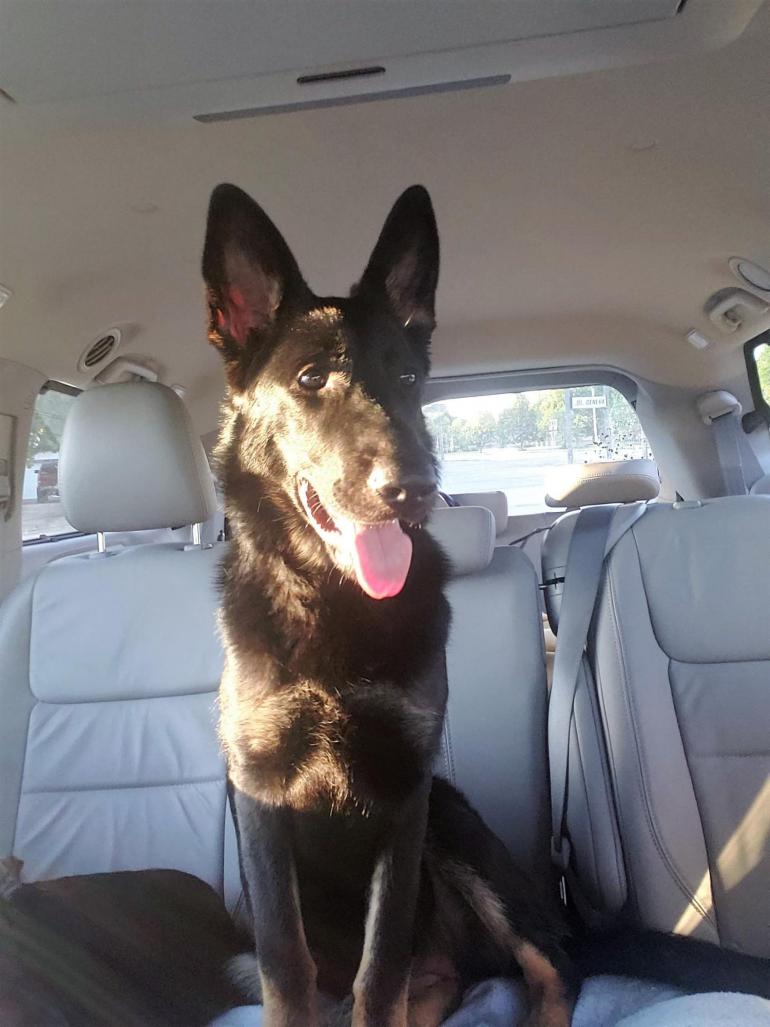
341 706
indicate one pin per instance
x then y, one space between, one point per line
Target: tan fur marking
397 1016
550 1005
277 1012
485 903
372 923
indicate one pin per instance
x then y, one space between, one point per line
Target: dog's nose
411 497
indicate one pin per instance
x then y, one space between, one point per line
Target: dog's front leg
286 968
381 987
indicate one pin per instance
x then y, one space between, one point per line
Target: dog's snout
411 497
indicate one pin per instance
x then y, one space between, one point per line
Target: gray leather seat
495 729
110 662
669 788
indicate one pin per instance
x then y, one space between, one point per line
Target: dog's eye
408 379
312 379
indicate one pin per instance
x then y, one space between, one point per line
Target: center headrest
467 536
614 481
496 502
130 460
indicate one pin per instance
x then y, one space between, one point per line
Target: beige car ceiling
584 218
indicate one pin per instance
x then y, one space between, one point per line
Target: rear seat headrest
130 460
495 502
615 481
467 536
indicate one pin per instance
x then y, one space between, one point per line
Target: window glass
762 360
511 442
41 512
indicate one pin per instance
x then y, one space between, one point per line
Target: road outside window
511 442
41 513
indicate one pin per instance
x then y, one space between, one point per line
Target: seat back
110 662
110 667
669 790
494 746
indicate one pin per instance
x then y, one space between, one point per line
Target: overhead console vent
340 76
98 351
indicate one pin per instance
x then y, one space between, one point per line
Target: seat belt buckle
560 855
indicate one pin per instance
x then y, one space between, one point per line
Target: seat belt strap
737 460
597 530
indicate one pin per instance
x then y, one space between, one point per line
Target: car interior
600 171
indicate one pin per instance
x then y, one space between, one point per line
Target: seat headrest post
101 542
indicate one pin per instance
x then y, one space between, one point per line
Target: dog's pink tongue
381 554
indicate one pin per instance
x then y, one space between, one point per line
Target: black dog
355 862
362 872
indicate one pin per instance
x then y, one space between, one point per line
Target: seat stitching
730 755
100 701
595 861
653 829
630 880
73 789
29 711
606 786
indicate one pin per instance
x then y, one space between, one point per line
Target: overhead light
750 273
5 294
697 340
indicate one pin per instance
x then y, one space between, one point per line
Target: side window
42 516
511 442
761 355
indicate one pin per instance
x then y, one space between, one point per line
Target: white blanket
603 1002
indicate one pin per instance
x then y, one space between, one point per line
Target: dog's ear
404 263
249 271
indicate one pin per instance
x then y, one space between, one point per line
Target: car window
511 442
41 513
762 360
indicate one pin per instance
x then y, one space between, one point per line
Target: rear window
42 516
511 442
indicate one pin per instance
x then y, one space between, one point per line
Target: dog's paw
243 971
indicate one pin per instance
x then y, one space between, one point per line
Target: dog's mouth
379 554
